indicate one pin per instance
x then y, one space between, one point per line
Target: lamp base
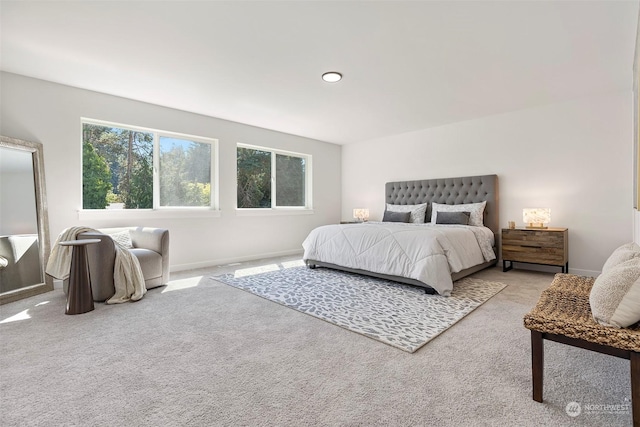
538 226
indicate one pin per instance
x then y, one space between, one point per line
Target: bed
427 254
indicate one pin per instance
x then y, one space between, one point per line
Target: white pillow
123 238
620 255
418 212
475 209
615 296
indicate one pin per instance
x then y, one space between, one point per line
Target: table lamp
536 217
361 214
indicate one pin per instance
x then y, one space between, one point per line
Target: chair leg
537 364
635 388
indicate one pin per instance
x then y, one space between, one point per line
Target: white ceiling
406 65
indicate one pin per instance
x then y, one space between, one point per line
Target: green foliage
198 194
198 159
140 190
113 198
185 174
254 178
118 168
129 158
95 178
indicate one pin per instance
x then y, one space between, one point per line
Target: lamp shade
361 214
536 217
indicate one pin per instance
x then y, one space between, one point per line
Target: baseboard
552 269
588 273
225 261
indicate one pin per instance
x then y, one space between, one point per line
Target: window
272 179
185 172
118 164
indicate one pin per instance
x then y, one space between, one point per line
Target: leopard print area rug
399 315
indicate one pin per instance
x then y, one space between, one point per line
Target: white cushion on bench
615 296
622 254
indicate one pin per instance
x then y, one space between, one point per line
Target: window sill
186 213
273 212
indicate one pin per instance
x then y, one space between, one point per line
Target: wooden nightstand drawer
548 246
534 238
539 255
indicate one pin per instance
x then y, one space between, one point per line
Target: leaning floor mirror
24 224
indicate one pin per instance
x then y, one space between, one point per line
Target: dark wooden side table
80 297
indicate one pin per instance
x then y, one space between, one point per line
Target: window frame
156 211
308 185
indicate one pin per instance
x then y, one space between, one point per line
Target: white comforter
425 252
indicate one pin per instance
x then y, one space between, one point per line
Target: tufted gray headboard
451 191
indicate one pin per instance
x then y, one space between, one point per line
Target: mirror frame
35 148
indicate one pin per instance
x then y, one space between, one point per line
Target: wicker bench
563 315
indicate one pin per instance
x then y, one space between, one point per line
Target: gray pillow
418 212
461 218
476 209
396 216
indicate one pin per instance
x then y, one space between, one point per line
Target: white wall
574 157
50 113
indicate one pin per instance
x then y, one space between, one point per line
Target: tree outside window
118 165
185 172
270 179
254 178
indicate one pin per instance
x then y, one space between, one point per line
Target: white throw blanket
127 275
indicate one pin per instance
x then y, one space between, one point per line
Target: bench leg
635 388
537 364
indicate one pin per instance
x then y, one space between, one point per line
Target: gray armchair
150 246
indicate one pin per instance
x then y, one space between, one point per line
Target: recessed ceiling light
331 76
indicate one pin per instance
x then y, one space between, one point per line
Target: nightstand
548 246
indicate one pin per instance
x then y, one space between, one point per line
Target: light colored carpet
200 353
399 315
